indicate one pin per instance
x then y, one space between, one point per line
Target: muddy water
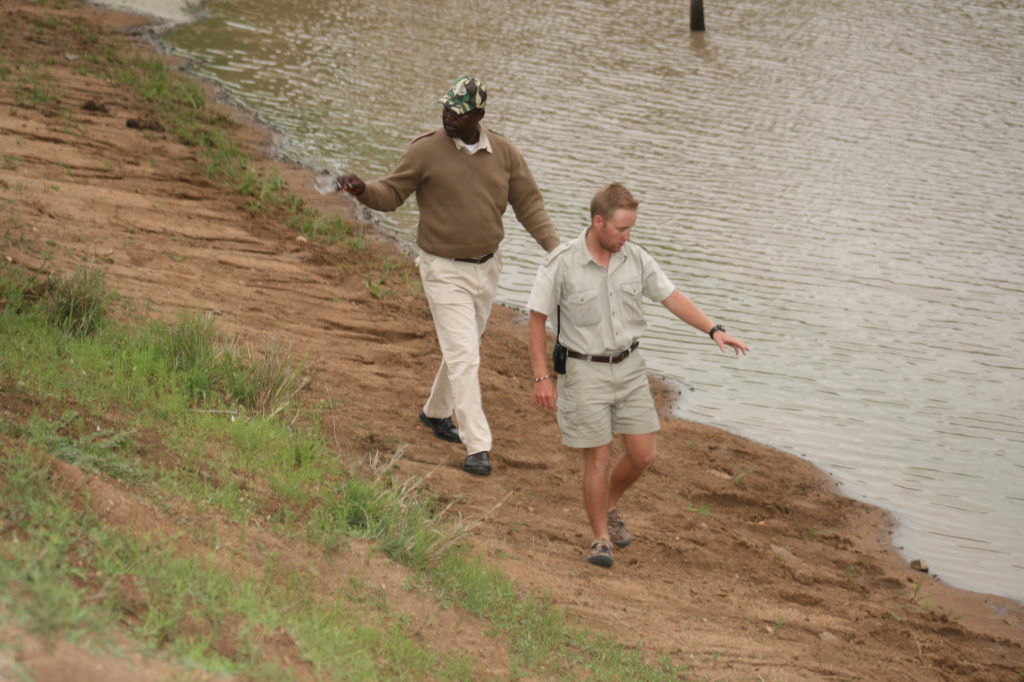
839 183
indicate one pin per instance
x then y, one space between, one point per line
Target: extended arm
544 391
687 311
388 193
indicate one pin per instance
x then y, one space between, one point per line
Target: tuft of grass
703 509
189 345
740 476
376 288
154 81
921 603
776 627
78 303
266 383
223 372
317 227
35 89
270 193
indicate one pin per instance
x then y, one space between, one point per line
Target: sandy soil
748 564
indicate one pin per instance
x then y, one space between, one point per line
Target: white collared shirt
483 144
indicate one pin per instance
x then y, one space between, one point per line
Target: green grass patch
68 574
181 434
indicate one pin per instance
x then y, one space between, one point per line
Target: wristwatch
716 328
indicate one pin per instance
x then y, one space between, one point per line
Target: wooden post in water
696 15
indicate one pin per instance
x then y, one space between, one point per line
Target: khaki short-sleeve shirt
601 310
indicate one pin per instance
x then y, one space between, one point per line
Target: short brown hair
611 198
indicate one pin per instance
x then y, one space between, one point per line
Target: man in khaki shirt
596 284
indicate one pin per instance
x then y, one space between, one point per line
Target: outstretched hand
723 340
352 184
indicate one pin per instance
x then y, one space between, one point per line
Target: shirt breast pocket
582 307
633 301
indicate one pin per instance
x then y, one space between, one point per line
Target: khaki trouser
460 296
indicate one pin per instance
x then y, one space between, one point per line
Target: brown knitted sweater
461 196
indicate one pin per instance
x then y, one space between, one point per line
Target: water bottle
326 184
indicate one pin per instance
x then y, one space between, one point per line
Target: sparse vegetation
740 476
702 509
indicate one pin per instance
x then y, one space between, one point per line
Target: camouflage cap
466 94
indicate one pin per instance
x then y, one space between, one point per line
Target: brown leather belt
479 260
610 359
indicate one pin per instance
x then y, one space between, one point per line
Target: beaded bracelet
543 378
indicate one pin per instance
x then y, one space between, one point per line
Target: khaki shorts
596 400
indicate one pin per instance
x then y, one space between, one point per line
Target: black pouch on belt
558 357
561 353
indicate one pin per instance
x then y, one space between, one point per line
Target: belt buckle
615 359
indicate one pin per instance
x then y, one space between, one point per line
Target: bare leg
639 455
595 488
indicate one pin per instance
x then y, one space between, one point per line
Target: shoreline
160 17
735 536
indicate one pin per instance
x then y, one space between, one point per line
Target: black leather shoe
442 428
478 463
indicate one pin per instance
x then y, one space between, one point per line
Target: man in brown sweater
464 177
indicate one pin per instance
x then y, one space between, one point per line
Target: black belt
610 359
479 260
